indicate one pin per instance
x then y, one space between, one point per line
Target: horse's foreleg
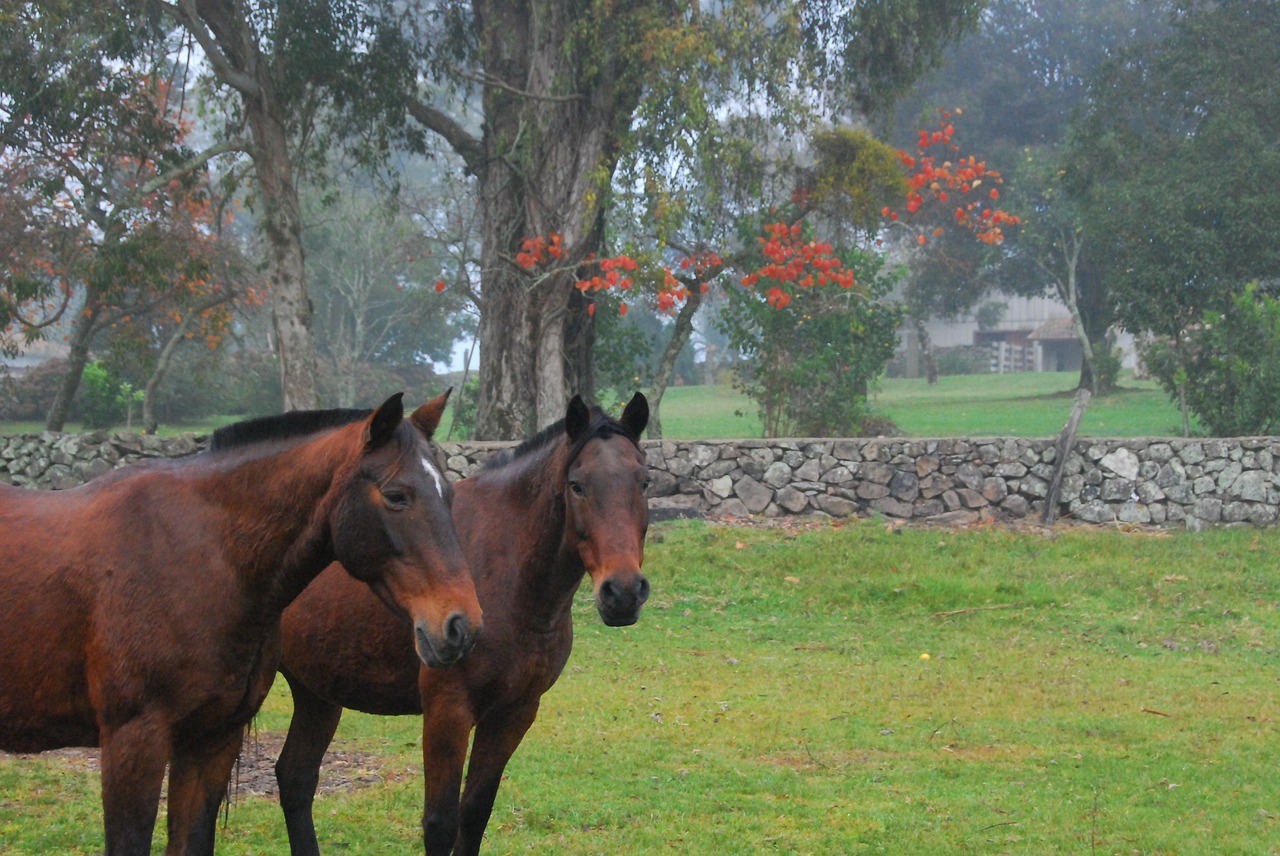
446 730
311 731
198 780
133 759
497 738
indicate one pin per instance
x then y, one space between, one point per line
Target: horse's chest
237 687
533 672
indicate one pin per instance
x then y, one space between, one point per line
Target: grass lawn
1032 404
1015 405
1085 692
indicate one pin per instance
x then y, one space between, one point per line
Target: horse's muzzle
619 602
456 639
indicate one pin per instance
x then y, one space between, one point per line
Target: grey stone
1122 462
836 506
792 500
676 508
777 475
754 495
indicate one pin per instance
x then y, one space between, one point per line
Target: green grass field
1085 692
1012 405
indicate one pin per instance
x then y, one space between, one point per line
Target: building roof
1055 330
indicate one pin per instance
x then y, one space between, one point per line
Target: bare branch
186 12
467 146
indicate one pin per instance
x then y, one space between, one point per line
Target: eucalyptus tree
569 90
299 78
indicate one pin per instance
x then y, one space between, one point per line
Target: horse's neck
548 573
278 521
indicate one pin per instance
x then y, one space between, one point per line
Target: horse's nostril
615 593
457 627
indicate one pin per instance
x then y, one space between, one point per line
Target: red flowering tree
952 222
128 229
780 261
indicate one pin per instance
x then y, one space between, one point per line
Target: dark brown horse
141 612
568 502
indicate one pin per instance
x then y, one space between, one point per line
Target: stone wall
1163 482
59 461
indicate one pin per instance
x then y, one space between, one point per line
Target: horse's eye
645 484
577 488
395 498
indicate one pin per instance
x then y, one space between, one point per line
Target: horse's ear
383 422
577 419
635 416
427 417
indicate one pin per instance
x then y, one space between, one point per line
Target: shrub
1228 367
809 364
99 403
27 398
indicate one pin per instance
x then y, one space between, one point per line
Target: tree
812 351
952 199
1019 111
374 286
571 88
1175 167
1052 248
115 183
304 76
1233 355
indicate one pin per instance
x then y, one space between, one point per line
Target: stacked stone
58 461
1161 482
1189 483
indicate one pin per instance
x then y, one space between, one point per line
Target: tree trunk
1066 440
82 333
550 146
667 364
927 356
232 48
165 358
282 225
163 361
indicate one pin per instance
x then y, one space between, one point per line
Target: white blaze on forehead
435 475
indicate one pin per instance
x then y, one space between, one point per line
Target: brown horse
141 612
569 501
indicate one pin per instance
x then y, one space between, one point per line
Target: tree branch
467 146
489 80
200 159
187 13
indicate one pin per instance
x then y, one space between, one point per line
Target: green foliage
1107 362
1177 165
1228 367
99 401
461 423
856 175
810 364
963 360
622 349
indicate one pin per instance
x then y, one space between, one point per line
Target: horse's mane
602 425
296 423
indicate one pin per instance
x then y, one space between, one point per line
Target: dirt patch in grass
344 768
